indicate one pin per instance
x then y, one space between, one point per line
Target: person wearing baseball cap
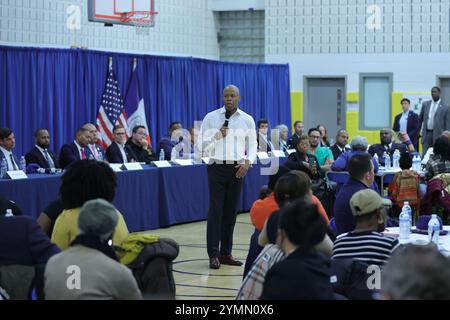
89 269
366 242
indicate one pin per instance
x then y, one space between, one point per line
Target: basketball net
141 20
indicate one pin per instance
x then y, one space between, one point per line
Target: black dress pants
224 193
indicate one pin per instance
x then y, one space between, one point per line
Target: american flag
112 111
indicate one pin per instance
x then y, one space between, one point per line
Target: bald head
93 133
446 134
232 87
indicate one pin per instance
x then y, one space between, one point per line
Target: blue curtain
60 89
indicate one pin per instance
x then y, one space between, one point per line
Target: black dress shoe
214 263
229 260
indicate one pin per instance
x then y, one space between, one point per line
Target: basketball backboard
127 12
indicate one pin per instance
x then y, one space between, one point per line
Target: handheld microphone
180 139
227 117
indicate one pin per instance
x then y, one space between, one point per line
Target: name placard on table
162 164
183 162
206 160
132 166
278 153
291 151
262 155
117 167
16 174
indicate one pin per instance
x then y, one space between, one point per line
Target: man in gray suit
434 119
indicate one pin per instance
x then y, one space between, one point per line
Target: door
325 104
445 90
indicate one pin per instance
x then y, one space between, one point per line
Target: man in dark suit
40 154
264 143
386 145
293 141
408 122
93 150
168 143
138 148
434 119
76 150
341 144
116 152
7 143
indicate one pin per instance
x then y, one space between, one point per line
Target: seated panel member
40 154
386 145
137 146
264 143
7 143
93 148
116 152
76 150
168 143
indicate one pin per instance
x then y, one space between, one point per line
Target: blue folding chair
340 177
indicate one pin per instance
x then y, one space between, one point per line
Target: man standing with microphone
229 136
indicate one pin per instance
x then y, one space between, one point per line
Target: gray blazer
441 119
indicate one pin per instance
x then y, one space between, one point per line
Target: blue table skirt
148 199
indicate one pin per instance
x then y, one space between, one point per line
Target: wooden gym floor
194 279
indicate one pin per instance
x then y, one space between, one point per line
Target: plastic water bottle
9 213
4 168
405 230
408 209
434 229
387 161
23 164
173 155
162 155
396 159
375 157
416 163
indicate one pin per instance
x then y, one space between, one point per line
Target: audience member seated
47 218
340 146
102 276
416 272
386 145
93 151
7 144
359 146
324 141
298 128
137 146
116 152
40 154
264 143
301 160
85 180
303 273
440 162
76 150
284 131
361 171
323 154
429 152
6 204
366 242
405 186
168 143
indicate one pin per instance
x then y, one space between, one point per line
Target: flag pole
110 63
134 63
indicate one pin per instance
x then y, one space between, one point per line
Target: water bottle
9 213
416 163
396 159
173 155
405 230
162 156
4 168
434 229
387 161
375 157
23 164
408 209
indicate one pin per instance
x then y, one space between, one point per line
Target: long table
148 199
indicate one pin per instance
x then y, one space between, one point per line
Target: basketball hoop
141 20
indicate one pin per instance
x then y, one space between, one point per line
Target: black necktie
13 162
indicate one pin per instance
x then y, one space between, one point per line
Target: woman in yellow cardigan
85 180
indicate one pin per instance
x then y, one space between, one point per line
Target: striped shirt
368 246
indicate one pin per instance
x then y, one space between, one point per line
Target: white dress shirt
94 151
433 108
404 121
47 157
9 160
122 152
240 142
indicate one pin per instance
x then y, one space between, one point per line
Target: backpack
153 271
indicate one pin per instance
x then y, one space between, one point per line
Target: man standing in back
230 136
